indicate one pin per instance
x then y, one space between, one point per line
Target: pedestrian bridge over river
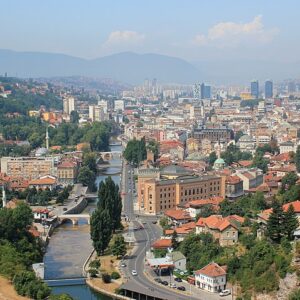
74 218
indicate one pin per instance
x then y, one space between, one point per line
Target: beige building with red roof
223 229
211 278
67 171
43 183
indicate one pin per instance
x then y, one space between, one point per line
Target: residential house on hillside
223 229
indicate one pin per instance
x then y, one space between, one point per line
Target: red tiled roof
211 270
233 179
220 223
162 244
177 214
245 163
266 213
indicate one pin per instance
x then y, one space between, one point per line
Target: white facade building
119 105
68 105
211 278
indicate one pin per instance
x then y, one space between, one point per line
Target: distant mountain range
132 68
127 67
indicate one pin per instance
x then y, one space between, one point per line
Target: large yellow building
162 190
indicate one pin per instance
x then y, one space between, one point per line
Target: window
150 196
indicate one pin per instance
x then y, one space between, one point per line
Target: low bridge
110 155
74 218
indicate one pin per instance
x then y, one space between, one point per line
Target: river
70 246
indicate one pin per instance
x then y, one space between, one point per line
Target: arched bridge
74 218
111 155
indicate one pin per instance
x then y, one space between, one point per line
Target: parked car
134 273
123 265
178 279
181 288
224 293
158 280
64 209
173 285
154 222
164 282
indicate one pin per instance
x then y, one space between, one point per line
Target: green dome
219 161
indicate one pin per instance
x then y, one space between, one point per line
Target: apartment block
28 167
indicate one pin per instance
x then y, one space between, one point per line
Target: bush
95 264
93 272
106 278
295 295
26 284
115 275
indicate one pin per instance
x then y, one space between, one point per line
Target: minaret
47 139
3 197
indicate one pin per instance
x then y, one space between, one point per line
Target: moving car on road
123 265
134 273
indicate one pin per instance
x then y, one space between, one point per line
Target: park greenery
135 151
40 197
118 247
106 218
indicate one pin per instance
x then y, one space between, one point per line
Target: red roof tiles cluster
220 223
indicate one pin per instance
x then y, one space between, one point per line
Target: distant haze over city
166 69
188 41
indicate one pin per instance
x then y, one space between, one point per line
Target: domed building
219 164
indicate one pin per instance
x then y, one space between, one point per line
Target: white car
224 293
134 273
173 285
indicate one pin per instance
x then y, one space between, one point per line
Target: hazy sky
191 29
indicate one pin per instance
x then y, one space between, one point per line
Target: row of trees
281 224
135 151
106 219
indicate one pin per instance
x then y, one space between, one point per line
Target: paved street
143 240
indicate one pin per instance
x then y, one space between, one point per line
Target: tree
260 162
135 151
212 158
87 177
275 222
90 161
74 117
110 199
205 212
118 247
101 229
290 223
175 243
289 180
238 135
297 159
